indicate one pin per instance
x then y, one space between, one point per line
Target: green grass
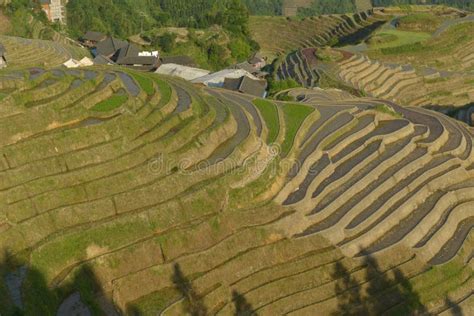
145 83
2 96
383 108
269 112
426 52
440 94
437 282
399 38
154 303
110 104
327 82
165 91
294 115
435 80
425 22
382 38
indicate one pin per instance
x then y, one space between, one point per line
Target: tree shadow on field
193 303
25 291
376 292
242 306
455 309
349 300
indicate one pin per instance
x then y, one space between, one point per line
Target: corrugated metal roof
185 72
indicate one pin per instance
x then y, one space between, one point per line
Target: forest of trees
264 7
123 18
328 7
126 17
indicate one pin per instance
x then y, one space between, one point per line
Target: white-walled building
3 59
55 10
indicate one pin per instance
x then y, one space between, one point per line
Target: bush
276 86
269 112
216 55
240 49
166 42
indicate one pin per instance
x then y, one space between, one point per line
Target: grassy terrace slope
145 194
32 52
406 84
279 34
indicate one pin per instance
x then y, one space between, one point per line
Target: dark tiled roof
110 46
128 51
253 87
102 60
232 83
247 67
250 68
94 36
139 60
179 60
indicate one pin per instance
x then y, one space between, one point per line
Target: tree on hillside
166 42
236 18
216 55
264 7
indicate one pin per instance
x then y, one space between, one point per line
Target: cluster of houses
246 77
108 50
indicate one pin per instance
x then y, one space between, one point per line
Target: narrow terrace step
444 200
363 123
376 205
317 133
384 128
391 217
357 178
313 172
249 107
346 167
338 214
184 100
451 248
243 131
336 123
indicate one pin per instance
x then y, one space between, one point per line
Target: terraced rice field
280 35
22 52
171 202
299 67
405 84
